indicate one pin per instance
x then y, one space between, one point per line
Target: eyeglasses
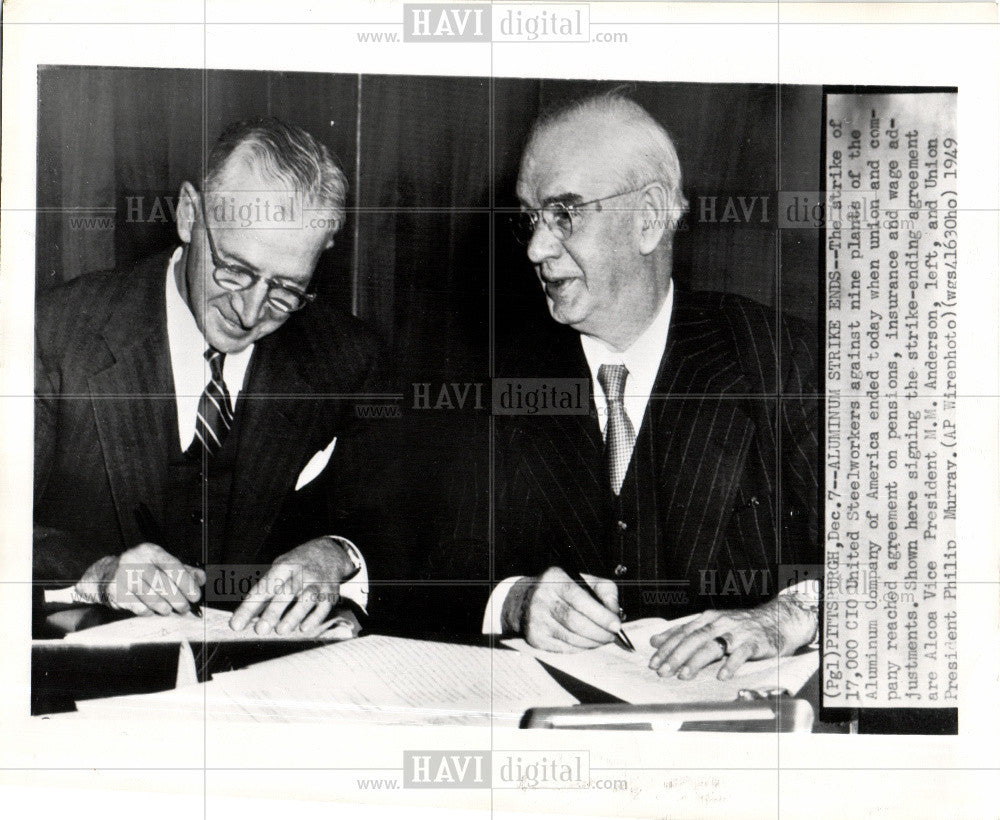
282 296
557 216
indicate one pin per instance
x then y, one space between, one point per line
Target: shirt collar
182 330
643 355
187 357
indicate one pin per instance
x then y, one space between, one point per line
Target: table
61 674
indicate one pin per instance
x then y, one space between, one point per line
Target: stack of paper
213 626
627 675
372 679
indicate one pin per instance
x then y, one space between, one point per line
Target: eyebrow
238 260
563 199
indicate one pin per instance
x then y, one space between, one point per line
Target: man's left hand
778 627
299 590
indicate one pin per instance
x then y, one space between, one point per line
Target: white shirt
187 358
641 359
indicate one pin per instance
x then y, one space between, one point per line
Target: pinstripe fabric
722 485
106 423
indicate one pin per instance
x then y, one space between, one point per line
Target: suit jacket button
754 502
620 570
622 526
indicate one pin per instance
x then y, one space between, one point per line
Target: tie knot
215 361
612 379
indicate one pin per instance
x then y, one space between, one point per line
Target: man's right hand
145 580
553 613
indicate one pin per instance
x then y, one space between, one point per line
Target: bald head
625 145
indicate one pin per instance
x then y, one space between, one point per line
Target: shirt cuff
808 592
493 617
61 596
356 587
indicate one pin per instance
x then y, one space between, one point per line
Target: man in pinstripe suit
696 477
148 461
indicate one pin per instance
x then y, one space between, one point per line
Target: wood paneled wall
431 163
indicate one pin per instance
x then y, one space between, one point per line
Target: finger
551 642
163 574
543 632
135 606
739 656
570 641
687 625
605 589
596 613
190 582
259 596
160 558
667 647
163 582
693 643
659 638
670 639
155 590
153 600
305 603
245 612
707 653
577 624
316 618
272 613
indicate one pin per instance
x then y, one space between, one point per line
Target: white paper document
213 626
627 675
372 679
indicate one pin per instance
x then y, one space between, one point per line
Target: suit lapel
132 394
278 416
697 432
563 454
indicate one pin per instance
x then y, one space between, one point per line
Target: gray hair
288 155
649 153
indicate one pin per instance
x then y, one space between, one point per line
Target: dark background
431 163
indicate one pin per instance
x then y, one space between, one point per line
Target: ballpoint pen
621 638
149 530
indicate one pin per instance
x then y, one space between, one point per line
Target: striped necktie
619 438
215 412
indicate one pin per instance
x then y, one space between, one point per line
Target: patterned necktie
619 438
215 412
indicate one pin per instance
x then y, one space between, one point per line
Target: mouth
231 325
555 287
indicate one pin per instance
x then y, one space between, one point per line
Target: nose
543 244
249 303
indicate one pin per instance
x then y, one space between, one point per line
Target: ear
188 209
653 217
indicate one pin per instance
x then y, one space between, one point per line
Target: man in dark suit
693 479
181 404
